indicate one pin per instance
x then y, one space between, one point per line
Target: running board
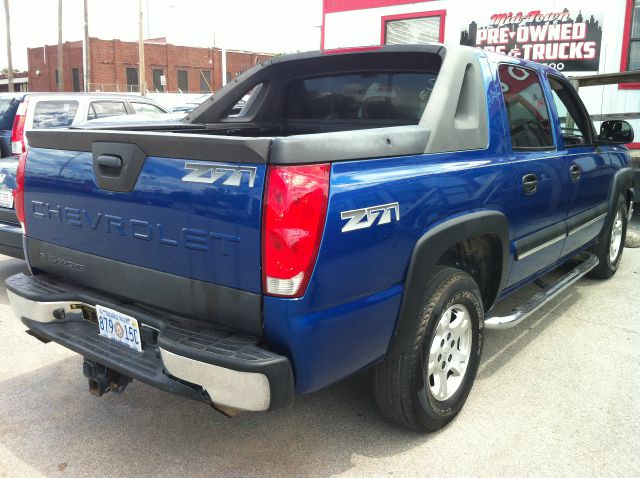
587 262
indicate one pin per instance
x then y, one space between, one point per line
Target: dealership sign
557 39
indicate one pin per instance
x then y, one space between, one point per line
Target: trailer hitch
103 379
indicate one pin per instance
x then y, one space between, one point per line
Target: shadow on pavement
9 267
146 431
501 346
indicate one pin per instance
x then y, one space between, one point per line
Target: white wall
363 27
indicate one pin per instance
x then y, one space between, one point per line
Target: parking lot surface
557 395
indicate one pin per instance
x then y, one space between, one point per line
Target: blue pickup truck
365 209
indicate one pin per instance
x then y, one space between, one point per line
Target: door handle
576 172
109 165
110 161
529 183
117 166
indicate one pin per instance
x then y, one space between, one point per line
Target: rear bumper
213 365
11 240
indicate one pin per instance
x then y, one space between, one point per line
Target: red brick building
20 82
114 66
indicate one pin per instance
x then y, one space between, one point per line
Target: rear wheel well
481 258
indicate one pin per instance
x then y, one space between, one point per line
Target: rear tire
424 386
611 242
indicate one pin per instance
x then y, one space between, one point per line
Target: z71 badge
226 174
366 217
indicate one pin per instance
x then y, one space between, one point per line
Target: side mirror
616 132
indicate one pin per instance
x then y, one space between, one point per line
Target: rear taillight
18 144
18 192
294 212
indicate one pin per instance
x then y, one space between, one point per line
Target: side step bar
587 262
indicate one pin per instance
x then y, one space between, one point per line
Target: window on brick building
57 78
157 79
75 79
133 84
205 81
183 81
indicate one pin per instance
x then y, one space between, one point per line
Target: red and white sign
558 38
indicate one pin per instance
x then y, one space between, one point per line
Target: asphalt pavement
557 395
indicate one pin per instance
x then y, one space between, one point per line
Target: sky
271 26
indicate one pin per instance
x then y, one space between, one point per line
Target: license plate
6 198
119 327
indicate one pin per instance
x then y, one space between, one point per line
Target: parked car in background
22 112
9 103
10 230
146 119
191 104
62 110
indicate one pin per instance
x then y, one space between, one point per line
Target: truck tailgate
195 218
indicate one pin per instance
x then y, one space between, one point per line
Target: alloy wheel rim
616 238
449 352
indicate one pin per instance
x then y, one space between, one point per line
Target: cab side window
575 125
104 109
526 108
144 108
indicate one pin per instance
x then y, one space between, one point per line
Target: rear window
54 113
8 108
394 97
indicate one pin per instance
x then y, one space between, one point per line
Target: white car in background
191 104
63 110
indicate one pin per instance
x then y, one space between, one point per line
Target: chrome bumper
246 389
241 390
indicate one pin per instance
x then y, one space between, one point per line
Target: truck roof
456 120
460 77
281 68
